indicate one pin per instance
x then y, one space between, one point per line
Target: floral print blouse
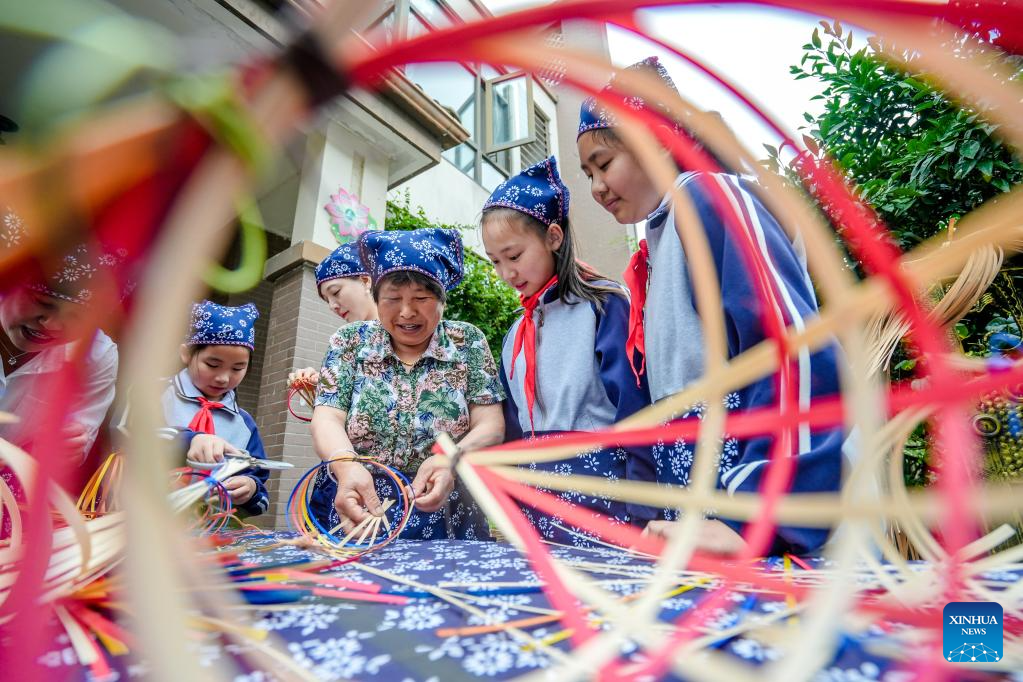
395 413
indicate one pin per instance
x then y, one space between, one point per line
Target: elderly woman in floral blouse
389 387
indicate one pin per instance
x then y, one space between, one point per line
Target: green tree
918 158
481 299
914 155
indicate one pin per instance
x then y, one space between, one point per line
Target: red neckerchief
202 422
636 277
525 336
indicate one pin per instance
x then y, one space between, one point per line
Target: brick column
248 390
262 296
299 327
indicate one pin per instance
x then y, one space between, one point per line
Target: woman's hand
241 488
712 536
304 377
355 494
433 483
355 490
206 448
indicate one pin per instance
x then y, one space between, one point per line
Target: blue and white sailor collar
659 214
186 390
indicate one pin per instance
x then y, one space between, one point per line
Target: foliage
915 156
919 159
481 299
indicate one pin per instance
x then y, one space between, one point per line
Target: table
337 639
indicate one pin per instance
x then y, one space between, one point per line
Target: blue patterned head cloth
221 325
80 273
594 116
434 252
343 261
537 191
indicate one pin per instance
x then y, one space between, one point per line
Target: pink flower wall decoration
349 218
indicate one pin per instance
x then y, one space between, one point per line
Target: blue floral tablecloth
335 639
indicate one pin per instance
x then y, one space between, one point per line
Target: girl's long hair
576 280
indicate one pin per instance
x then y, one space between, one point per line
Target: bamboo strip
813 510
458 602
845 311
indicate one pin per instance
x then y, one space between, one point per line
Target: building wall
451 197
334 159
262 296
603 242
447 196
248 389
278 196
550 108
302 327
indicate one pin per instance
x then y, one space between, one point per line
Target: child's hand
209 449
241 488
304 377
660 529
713 536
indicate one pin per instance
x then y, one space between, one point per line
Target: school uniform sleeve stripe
785 286
818 461
744 207
736 476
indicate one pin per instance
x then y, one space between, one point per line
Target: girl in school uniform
564 362
200 405
666 327
344 285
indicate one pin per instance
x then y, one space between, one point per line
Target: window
460 88
410 18
383 28
539 149
465 90
509 109
431 13
456 87
453 85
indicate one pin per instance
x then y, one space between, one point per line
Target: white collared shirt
20 395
